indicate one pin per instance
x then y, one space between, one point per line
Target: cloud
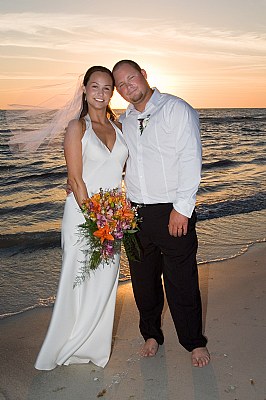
84 33
57 43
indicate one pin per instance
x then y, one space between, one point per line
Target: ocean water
230 204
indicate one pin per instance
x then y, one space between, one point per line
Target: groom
162 177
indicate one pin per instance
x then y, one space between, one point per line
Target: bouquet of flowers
109 220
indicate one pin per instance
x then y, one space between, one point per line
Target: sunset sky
212 54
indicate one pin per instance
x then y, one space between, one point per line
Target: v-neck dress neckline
107 148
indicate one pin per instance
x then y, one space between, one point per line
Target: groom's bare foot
150 348
200 357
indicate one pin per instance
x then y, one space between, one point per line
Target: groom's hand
178 224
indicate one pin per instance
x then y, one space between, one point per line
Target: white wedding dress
80 330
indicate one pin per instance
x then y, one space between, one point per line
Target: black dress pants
175 259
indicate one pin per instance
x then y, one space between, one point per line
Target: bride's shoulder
76 126
75 123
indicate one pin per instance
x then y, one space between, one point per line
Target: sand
234 313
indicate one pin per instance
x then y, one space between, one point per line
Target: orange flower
127 213
103 233
96 205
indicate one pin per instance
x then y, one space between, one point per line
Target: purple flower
118 234
101 220
108 250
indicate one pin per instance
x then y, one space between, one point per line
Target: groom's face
131 84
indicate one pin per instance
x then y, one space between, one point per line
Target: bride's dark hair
110 113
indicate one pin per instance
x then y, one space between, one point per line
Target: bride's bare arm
119 125
73 156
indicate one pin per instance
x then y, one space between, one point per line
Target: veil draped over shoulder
49 131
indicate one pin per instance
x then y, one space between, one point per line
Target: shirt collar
153 101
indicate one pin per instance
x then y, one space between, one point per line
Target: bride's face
99 90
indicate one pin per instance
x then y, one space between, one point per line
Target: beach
234 315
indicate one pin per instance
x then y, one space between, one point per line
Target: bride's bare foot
150 348
200 357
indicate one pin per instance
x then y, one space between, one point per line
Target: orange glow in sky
210 54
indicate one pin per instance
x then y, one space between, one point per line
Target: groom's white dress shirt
164 164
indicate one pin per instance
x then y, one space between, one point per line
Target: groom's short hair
130 62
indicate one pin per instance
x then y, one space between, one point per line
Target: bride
81 326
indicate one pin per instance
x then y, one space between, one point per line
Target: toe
150 348
200 357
